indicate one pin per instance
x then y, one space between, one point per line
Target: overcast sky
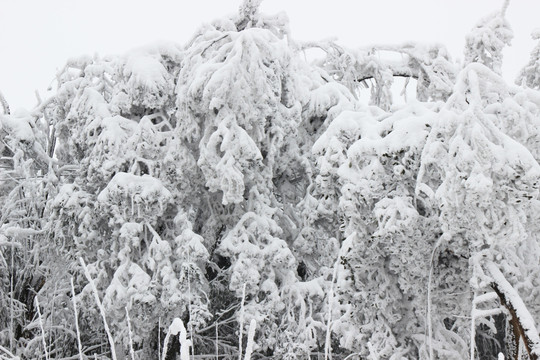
38 36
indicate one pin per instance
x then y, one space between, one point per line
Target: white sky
38 36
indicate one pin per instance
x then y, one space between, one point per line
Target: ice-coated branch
479 314
327 344
484 298
42 329
5 104
128 320
486 41
429 304
241 320
521 318
100 306
79 344
249 8
8 355
395 73
247 12
251 335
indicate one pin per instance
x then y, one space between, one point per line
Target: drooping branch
522 321
374 67
404 74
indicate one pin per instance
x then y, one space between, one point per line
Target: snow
251 335
74 301
177 327
394 214
235 154
18 126
115 132
69 197
350 124
485 42
15 231
406 129
514 300
190 245
130 285
146 71
145 79
145 187
129 229
5 242
92 285
490 296
91 104
330 99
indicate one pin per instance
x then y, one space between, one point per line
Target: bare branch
406 74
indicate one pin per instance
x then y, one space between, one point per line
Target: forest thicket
163 202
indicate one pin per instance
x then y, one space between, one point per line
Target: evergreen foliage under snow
230 192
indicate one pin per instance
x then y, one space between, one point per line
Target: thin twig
100 306
131 351
76 320
241 322
42 329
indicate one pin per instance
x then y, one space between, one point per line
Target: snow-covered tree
529 75
485 42
230 181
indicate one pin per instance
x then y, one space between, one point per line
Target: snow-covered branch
521 317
